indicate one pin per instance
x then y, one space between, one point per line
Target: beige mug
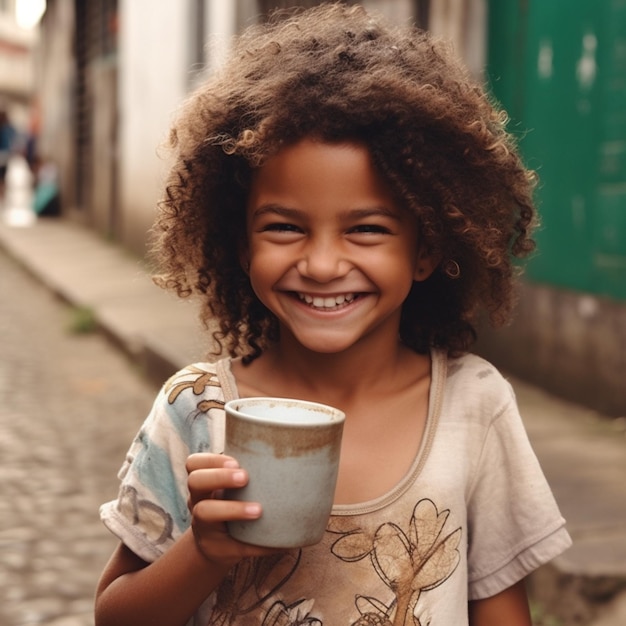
290 449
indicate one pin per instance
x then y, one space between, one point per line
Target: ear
425 266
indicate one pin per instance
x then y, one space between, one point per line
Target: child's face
329 251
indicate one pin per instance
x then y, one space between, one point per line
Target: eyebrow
358 213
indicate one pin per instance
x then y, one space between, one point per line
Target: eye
376 229
281 227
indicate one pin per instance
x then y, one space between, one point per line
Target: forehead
316 172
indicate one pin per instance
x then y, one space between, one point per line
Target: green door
559 68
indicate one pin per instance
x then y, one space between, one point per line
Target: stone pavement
69 406
583 454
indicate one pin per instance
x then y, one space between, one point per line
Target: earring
451 269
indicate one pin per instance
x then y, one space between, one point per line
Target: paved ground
69 406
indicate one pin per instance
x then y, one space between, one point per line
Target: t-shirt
473 515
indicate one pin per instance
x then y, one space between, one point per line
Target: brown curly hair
337 74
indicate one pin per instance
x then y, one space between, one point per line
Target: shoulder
193 383
471 372
188 408
473 384
195 389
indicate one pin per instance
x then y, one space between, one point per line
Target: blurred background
88 89
91 87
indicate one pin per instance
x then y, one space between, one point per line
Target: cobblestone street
69 406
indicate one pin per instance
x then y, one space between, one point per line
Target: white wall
153 62
17 76
464 23
221 22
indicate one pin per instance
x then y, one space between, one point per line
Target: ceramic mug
290 449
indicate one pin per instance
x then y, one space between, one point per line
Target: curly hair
435 136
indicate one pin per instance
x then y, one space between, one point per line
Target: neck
338 375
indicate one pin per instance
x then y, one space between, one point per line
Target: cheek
269 259
256 283
397 261
262 286
260 274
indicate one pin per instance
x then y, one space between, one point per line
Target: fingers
218 511
203 483
214 542
207 460
210 474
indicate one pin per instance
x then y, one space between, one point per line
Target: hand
208 476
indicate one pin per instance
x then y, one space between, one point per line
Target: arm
169 590
507 608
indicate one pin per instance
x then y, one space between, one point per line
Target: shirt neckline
439 365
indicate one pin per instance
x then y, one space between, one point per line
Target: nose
323 261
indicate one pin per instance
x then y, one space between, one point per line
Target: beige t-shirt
472 516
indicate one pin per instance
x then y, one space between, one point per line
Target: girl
345 200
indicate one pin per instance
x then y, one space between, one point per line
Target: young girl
345 200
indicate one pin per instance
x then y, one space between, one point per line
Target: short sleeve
150 511
514 524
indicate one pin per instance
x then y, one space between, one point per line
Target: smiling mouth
327 303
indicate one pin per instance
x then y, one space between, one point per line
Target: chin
327 348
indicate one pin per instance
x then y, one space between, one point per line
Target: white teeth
328 302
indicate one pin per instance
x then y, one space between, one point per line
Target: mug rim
334 415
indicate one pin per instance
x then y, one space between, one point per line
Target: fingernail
253 509
231 464
239 478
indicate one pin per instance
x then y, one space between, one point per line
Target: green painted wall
559 68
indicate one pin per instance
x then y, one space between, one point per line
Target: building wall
562 77
566 342
54 77
17 75
101 194
463 22
153 62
